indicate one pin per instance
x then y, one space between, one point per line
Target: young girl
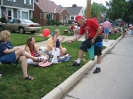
32 49
54 42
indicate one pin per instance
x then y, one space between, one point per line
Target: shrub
33 20
69 22
2 20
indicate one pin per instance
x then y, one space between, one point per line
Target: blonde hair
56 31
4 34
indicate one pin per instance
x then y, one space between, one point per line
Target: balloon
46 32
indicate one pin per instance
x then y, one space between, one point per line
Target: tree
128 17
97 9
116 9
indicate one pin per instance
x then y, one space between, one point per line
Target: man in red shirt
91 29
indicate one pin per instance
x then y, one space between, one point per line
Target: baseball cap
78 17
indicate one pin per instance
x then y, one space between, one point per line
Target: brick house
46 10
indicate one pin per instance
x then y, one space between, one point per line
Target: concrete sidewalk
63 88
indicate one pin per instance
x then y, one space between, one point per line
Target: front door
10 13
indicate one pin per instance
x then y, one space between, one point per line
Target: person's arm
76 38
39 52
62 39
27 49
97 33
7 51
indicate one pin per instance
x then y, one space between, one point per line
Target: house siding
64 13
36 15
18 3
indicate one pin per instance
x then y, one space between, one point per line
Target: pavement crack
70 96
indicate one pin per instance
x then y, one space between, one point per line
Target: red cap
78 17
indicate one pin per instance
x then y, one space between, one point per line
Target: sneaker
76 64
97 70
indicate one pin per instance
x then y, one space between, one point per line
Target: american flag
6 16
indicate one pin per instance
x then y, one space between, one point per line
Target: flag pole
88 9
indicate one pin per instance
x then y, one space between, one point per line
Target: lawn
13 86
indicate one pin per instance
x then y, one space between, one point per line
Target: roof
49 6
74 10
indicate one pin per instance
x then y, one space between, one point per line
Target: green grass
114 37
61 28
13 86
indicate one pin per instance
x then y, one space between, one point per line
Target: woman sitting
32 49
9 53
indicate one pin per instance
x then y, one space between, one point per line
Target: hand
63 38
69 42
92 41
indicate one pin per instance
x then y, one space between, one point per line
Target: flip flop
29 77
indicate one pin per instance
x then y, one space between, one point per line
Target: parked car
21 25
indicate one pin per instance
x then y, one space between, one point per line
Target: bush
33 20
2 20
69 22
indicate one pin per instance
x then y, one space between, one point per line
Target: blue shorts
9 58
131 32
87 44
106 30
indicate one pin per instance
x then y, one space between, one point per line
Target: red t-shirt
89 28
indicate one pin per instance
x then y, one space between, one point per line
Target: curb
64 87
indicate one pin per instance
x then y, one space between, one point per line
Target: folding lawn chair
3 64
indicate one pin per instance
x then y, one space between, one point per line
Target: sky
69 3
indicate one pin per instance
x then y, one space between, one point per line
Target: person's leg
98 52
62 51
21 52
23 61
85 45
30 61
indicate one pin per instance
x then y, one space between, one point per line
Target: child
115 30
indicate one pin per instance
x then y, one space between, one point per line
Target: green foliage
69 22
116 9
97 9
3 20
33 20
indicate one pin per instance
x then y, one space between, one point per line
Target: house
75 10
46 11
17 8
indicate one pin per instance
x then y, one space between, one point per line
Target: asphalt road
115 81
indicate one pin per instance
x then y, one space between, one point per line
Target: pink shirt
106 24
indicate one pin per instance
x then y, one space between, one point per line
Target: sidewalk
64 87
43 43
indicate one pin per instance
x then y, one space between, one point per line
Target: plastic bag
55 54
91 52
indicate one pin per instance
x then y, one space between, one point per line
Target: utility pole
88 9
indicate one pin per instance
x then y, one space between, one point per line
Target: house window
72 18
24 15
27 2
40 15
